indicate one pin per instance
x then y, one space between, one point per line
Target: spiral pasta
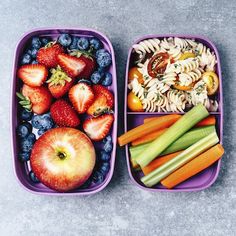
184 66
186 79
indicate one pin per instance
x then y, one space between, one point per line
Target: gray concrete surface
122 208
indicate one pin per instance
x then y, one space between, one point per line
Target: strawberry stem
24 101
58 77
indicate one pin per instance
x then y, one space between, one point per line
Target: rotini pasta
180 84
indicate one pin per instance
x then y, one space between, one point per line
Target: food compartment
138 68
146 48
22 169
198 182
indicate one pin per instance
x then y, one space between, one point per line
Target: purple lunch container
132 119
22 169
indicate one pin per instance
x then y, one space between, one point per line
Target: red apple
63 158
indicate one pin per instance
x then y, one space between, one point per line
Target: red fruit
81 97
33 75
89 61
103 101
63 114
73 66
59 83
63 158
48 55
40 99
89 68
97 128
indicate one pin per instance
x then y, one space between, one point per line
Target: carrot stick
139 131
158 162
149 137
193 167
210 120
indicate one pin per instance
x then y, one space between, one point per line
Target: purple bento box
22 169
205 178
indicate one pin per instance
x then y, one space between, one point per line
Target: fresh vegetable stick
153 135
181 126
182 143
187 155
210 120
193 167
158 162
149 137
160 123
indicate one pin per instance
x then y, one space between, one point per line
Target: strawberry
63 114
73 66
103 101
89 68
33 75
97 128
48 55
81 97
59 82
87 58
37 99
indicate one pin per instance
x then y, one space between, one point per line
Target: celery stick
182 143
189 139
180 127
187 155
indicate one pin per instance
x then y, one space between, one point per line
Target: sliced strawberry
81 96
48 55
59 83
103 101
88 59
33 75
63 114
73 66
37 99
98 128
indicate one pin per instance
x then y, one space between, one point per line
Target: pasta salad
172 75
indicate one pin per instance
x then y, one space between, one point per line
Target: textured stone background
122 208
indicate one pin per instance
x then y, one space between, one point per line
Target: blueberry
98 177
104 59
41 131
65 40
107 81
34 62
24 156
26 144
100 51
104 156
96 77
95 43
36 43
86 184
83 44
33 177
31 137
34 52
86 81
26 115
46 122
74 43
36 122
105 167
26 59
45 41
101 70
108 138
24 130
108 146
